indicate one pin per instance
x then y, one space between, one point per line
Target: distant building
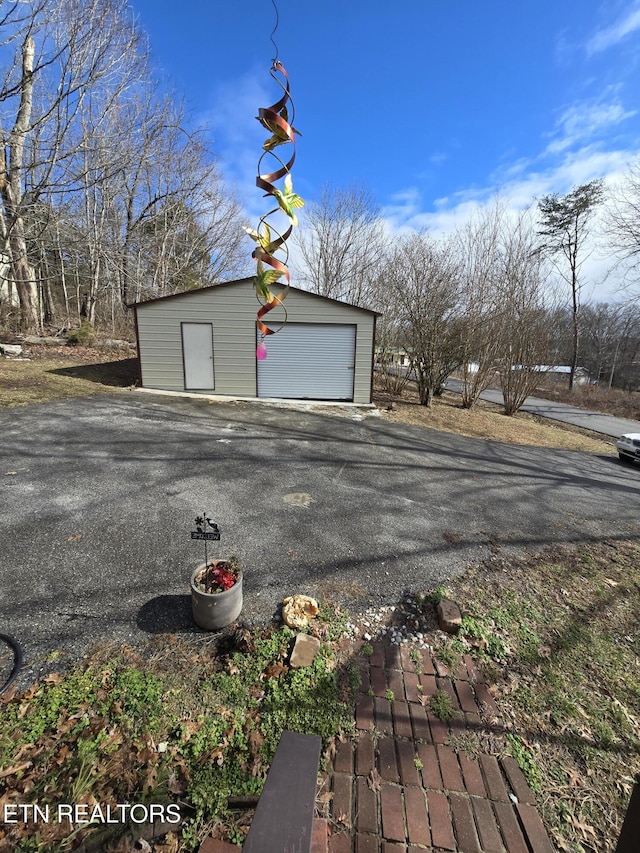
563 371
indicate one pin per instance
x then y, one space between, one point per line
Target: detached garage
204 341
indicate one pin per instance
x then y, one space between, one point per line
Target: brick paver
510 828
365 760
472 775
534 829
382 711
409 773
366 807
392 812
464 824
415 803
343 761
517 781
401 786
488 831
401 719
493 778
419 722
378 680
440 821
450 769
342 800
387 762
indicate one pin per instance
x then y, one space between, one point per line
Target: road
99 496
595 421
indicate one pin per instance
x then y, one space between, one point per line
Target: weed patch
559 632
135 730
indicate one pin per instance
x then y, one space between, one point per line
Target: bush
84 336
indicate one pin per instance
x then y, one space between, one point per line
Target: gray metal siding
231 309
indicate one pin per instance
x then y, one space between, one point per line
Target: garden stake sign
206 531
275 226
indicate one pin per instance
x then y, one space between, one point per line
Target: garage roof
248 280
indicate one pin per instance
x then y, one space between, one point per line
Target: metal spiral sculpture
271 239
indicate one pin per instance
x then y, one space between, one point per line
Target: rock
50 342
11 349
114 342
304 651
298 609
449 616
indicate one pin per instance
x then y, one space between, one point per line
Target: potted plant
216 593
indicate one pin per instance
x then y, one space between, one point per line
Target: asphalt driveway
99 496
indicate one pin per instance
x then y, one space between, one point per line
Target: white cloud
517 189
585 120
609 36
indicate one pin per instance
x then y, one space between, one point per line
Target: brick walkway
398 788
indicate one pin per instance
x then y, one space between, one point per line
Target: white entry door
197 355
312 361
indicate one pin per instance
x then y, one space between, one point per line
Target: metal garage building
204 341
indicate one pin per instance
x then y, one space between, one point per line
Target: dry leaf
176 786
574 779
17 768
585 829
373 780
276 670
75 537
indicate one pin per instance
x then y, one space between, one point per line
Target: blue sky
435 106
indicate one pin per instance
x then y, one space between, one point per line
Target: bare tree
106 198
621 223
479 246
341 243
426 278
67 48
611 342
565 228
524 337
391 334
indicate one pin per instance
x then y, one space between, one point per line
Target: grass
487 421
178 726
558 631
57 373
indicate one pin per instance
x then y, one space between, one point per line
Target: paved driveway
99 496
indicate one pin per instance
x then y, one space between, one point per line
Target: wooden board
284 817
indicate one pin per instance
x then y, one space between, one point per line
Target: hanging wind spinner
275 227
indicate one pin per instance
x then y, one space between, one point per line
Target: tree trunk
11 191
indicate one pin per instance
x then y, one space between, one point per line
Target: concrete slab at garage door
312 361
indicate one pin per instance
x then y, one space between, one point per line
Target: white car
629 447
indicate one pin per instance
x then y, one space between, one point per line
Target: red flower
220 578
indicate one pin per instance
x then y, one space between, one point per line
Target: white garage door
309 361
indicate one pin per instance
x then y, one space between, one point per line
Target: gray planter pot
215 610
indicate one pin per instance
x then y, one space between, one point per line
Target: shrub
84 336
